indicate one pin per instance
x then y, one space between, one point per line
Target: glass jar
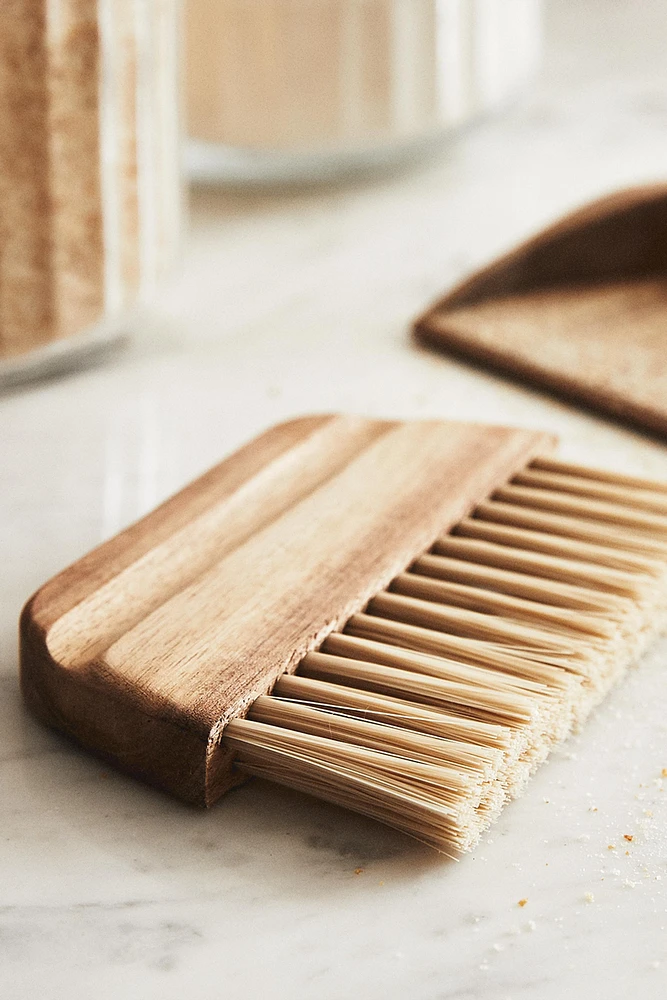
90 189
305 89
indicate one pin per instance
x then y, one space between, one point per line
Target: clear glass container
303 89
90 187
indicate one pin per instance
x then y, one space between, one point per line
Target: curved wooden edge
105 718
583 234
601 402
70 701
64 591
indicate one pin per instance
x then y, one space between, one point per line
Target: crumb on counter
629 837
522 902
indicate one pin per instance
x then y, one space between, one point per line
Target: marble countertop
300 302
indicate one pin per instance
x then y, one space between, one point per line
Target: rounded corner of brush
38 670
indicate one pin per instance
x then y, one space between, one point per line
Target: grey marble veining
287 304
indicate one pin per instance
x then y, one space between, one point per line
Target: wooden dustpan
580 309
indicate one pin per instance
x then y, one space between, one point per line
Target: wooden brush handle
146 648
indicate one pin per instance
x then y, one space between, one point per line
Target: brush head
434 705
148 647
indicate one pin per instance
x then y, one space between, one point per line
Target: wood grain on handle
148 646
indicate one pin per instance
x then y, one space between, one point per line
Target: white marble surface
288 304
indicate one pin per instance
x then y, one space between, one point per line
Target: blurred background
308 89
395 144
212 224
409 142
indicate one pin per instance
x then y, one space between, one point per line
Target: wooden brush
401 618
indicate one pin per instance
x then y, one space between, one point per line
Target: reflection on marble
287 304
113 890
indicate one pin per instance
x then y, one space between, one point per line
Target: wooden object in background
580 309
145 649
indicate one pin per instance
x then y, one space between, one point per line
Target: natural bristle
431 708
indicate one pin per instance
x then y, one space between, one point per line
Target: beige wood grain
580 309
146 648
